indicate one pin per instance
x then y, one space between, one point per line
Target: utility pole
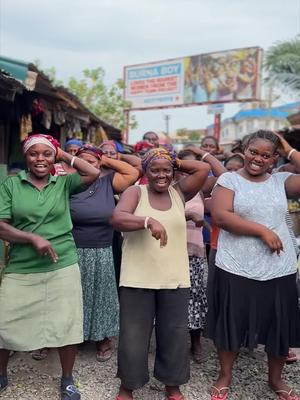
167 118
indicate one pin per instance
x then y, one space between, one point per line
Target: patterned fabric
265 203
90 150
289 222
158 154
40 139
108 142
100 297
198 301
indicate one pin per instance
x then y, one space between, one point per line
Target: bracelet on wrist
204 156
146 222
72 161
290 154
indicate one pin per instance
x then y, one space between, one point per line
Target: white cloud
74 34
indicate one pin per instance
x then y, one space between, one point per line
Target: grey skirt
41 310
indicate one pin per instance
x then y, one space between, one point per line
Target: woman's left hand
284 147
59 155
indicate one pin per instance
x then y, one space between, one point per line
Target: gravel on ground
39 380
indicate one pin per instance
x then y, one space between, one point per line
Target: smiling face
160 175
40 159
259 157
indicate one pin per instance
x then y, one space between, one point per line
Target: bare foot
283 391
125 394
173 391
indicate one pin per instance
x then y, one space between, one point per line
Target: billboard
221 77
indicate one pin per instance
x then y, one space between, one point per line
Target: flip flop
291 358
219 396
104 355
280 394
40 354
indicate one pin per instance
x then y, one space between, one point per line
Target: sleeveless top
144 264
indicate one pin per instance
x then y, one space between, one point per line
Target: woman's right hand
272 241
158 231
43 247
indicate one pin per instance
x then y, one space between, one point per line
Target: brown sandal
40 354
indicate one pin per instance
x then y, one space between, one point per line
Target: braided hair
261 134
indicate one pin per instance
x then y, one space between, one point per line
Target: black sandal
3 383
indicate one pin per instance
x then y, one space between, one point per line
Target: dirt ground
39 380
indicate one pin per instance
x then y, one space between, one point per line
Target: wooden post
126 129
217 126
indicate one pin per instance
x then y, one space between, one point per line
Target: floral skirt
100 297
198 300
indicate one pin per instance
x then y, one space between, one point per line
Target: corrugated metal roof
261 113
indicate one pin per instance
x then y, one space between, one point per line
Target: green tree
107 103
182 132
282 62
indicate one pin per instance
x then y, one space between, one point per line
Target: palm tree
282 62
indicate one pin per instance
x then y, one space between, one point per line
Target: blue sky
74 34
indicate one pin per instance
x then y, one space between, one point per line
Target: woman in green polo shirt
40 292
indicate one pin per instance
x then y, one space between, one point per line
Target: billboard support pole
126 128
217 126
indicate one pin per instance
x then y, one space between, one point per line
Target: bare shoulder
134 190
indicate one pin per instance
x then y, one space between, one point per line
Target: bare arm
124 220
225 217
216 166
197 173
133 161
88 173
209 185
14 235
125 174
292 183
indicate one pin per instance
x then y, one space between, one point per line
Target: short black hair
212 138
147 133
185 153
235 156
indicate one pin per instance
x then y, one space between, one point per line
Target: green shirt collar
23 177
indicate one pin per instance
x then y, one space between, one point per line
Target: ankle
173 390
225 377
126 394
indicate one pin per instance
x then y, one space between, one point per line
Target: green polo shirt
45 213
